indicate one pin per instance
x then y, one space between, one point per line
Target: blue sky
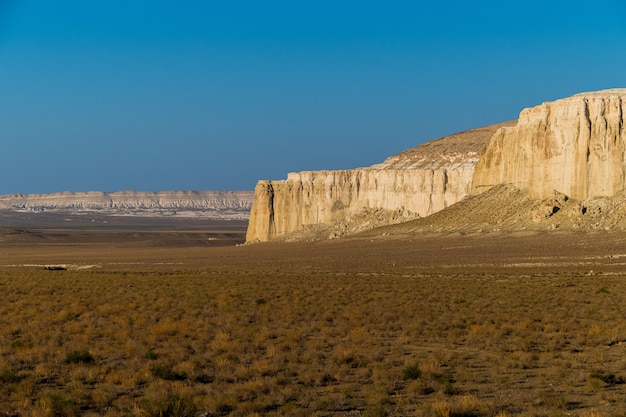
157 95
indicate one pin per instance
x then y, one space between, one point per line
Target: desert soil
146 321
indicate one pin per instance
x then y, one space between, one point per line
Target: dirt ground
191 322
520 252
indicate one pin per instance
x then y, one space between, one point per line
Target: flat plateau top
455 145
603 93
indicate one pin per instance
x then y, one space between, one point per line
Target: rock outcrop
560 160
214 204
414 183
575 146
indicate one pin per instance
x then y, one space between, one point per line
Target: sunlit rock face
414 183
574 146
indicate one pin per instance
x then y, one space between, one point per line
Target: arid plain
179 320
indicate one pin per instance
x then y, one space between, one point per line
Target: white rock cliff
232 204
574 146
415 183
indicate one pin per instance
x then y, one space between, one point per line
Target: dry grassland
450 326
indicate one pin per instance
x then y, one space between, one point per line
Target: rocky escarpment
214 204
567 158
414 183
574 146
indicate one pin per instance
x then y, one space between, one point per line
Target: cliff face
324 197
574 146
415 183
234 204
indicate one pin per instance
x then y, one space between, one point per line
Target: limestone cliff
565 157
574 146
216 204
414 183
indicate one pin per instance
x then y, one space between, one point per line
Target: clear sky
158 95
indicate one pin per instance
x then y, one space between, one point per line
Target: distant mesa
209 204
559 163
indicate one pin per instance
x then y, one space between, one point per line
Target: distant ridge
210 204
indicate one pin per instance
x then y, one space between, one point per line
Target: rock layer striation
574 146
571 149
414 183
218 204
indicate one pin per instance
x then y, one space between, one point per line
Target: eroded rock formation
570 152
574 146
235 204
414 183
